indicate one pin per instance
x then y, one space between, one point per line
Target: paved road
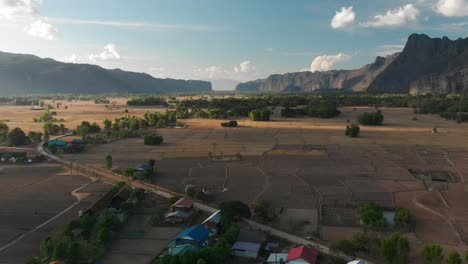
112 177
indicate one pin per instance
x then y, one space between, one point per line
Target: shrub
324 109
229 124
432 254
395 249
108 162
402 218
372 214
371 119
234 211
352 130
260 115
454 258
127 172
153 139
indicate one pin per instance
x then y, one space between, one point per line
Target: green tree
454 258
395 249
108 162
260 115
372 214
371 119
107 124
104 235
73 252
264 212
352 130
402 218
153 139
432 254
466 255
234 211
16 137
3 131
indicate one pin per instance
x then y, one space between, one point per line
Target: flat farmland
299 164
32 195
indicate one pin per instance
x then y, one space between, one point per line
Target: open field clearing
33 194
306 165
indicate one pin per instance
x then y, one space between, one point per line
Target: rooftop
302 252
246 246
198 233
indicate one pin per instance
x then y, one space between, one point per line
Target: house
277 258
196 236
177 217
57 143
119 198
302 255
144 167
213 222
101 203
177 250
77 142
245 249
183 204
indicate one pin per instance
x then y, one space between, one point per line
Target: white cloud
326 62
385 50
245 66
110 53
395 18
72 59
343 18
452 8
11 9
42 30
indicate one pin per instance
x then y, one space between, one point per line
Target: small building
144 167
196 236
177 250
183 204
122 196
245 249
302 255
102 202
213 222
358 261
177 217
78 142
57 143
277 258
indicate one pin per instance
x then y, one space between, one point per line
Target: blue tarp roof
78 141
57 142
198 233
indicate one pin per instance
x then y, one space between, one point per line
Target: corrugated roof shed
198 233
246 246
302 252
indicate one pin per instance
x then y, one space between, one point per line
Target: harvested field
32 194
307 163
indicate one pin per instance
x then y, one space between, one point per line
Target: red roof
306 253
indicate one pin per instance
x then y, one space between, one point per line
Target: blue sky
223 39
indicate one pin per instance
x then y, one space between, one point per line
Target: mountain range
28 74
426 65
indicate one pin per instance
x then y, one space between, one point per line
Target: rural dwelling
177 217
277 258
77 142
358 261
183 204
102 202
196 236
177 250
213 223
302 255
57 143
245 249
144 167
122 196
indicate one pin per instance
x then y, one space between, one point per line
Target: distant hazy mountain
224 84
28 74
424 66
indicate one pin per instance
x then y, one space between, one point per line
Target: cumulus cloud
72 59
452 8
326 62
42 30
395 18
343 18
245 66
110 53
11 9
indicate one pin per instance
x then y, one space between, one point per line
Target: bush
372 214
229 124
395 249
153 140
454 258
432 254
402 218
352 130
371 119
128 172
344 246
234 211
260 115
324 109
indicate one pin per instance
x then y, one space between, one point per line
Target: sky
223 40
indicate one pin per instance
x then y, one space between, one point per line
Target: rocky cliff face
426 65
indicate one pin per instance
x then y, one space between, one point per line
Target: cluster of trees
4 129
47 116
17 137
231 123
260 115
323 109
96 235
371 119
149 100
371 214
352 130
